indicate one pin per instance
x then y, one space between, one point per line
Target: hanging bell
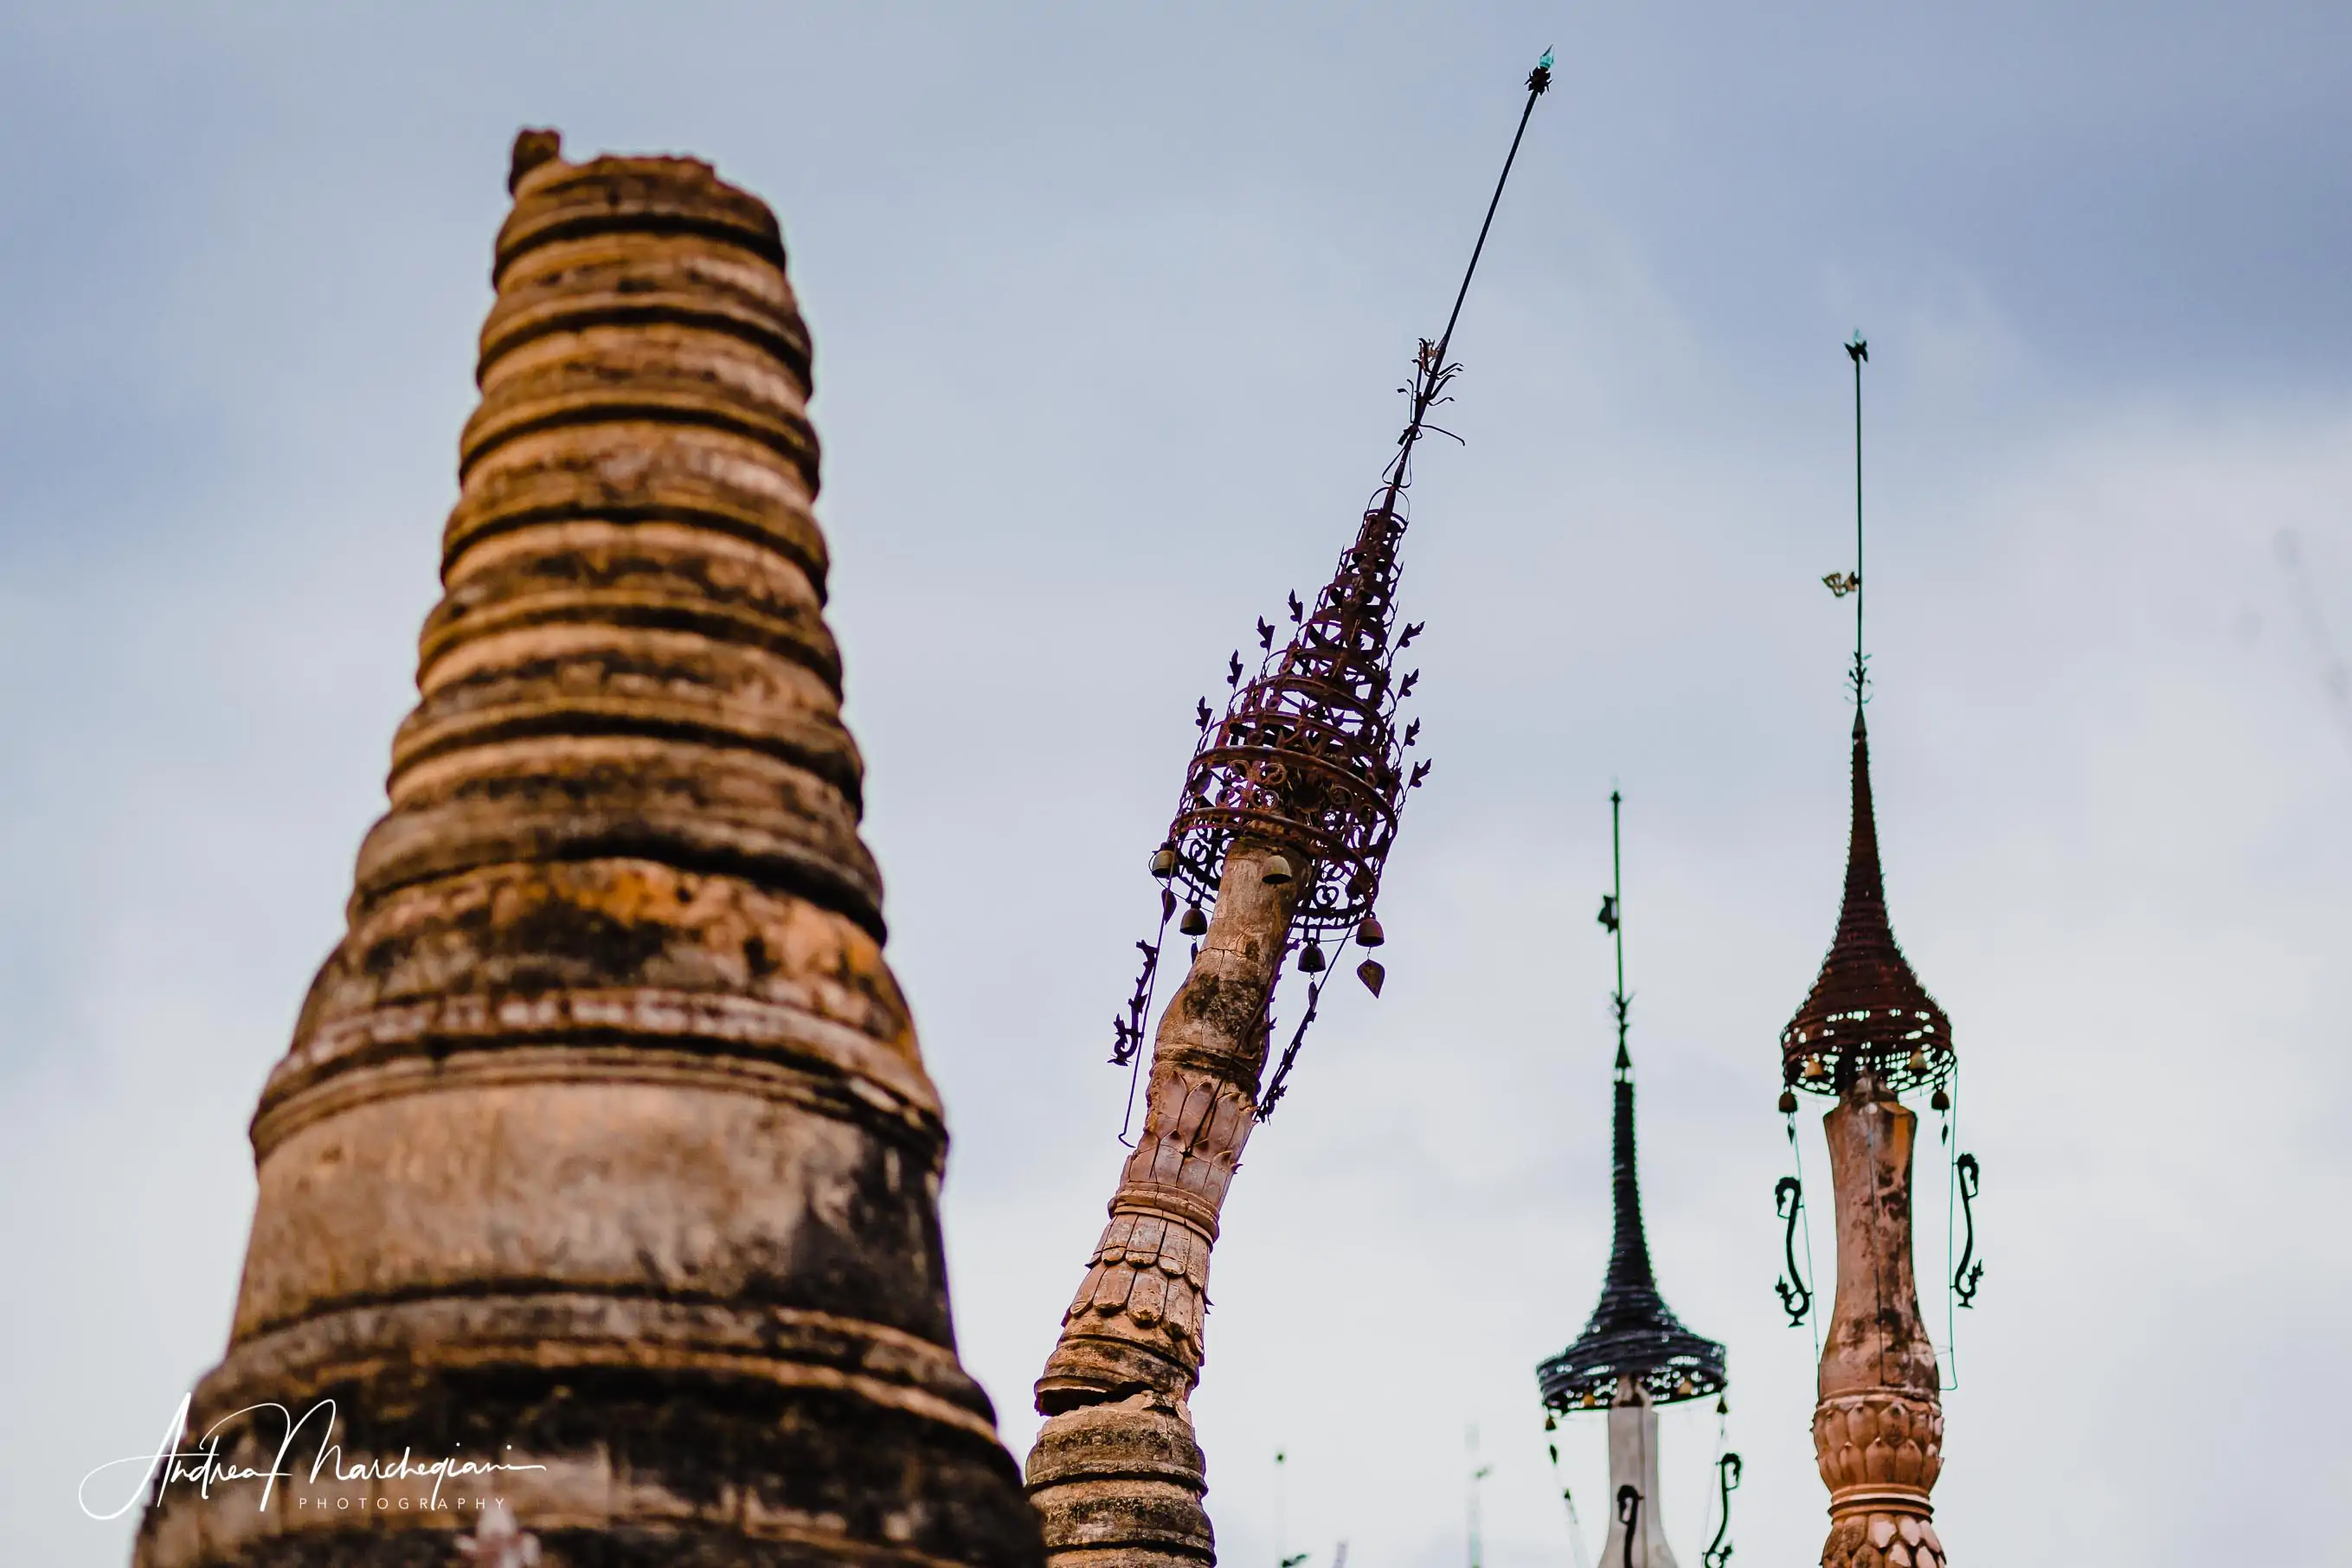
1163 861
1369 933
1788 1102
1370 972
1277 871
1919 1062
1311 959
1551 1421
1940 1100
1685 1387
1194 922
1722 1405
1814 1070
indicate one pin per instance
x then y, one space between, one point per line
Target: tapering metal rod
1538 83
1857 351
1430 375
1617 896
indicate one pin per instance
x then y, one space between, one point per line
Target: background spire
1632 1332
1868 1009
1612 916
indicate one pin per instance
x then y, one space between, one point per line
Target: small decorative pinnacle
533 147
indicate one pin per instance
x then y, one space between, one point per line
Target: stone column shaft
1633 1462
1878 1428
1116 1475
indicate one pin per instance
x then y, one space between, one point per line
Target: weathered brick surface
604 1142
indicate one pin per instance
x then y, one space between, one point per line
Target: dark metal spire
1632 1332
1866 1008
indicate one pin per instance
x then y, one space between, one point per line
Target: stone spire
1635 1354
1867 1032
604 1148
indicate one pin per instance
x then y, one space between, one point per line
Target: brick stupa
603 1144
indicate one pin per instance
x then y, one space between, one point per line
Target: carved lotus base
1882 1539
1878 1438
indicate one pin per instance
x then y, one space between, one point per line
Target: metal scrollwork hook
1719 1551
1964 1278
1796 1295
1629 1515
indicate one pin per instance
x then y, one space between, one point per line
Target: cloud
1107 313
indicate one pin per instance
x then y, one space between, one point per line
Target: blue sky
1109 303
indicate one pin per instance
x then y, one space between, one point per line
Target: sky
1110 304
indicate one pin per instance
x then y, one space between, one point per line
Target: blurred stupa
604 1148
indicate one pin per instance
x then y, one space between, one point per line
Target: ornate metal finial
1285 819
1632 1332
1867 1010
1309 754
1858 350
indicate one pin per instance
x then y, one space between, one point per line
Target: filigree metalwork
1726 1474
1796 1293
1965 1277
1126 1030
1868 1011
1307 757
1633 1332
1308 754
1281 1083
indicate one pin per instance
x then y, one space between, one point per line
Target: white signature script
203 1467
